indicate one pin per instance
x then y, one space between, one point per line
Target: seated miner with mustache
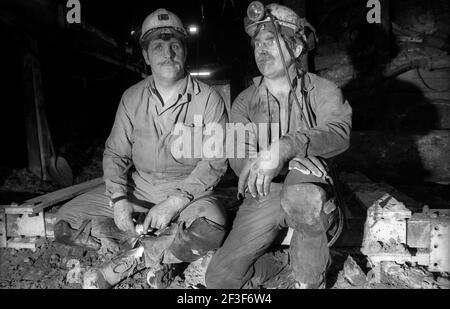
174 194
288 185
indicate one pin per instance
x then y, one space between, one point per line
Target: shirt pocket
187 143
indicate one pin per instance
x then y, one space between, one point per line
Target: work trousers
297 203
94 206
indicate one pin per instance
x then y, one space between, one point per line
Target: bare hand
160 215
310 165
257 174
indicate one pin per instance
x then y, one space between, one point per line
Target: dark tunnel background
82 92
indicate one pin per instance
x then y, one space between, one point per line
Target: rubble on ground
54 266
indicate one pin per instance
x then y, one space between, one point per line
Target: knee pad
195 241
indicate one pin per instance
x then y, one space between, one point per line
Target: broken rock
33 274
196 271
75 274
408 277
353 273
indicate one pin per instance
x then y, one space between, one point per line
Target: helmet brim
251 28
158 32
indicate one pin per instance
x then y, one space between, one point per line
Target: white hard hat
162 21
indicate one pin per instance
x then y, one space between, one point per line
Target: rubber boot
111 273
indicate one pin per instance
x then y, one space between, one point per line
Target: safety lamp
256 11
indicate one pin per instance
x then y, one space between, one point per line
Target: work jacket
138 157
328 116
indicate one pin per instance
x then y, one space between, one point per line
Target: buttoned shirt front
138 158
320 126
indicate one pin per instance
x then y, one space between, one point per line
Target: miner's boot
162 276
80 238
114 271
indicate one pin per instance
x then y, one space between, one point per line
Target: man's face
166 58
267 55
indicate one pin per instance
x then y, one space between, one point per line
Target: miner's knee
303 202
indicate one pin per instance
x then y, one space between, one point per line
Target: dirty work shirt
240 261
138 159
329 117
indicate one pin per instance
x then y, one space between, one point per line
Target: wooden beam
365 193
39 104
30 225
25 243
37 204
3 230
368 192
33 145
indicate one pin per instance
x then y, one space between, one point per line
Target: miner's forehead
264 34
165 40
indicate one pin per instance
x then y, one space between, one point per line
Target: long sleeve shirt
329 118
138 156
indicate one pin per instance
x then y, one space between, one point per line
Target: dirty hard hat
160 22
290 24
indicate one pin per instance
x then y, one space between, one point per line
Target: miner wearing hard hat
288 186
182 218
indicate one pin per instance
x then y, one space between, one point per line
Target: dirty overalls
138 161
299 201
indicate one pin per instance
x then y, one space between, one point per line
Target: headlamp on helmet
289 23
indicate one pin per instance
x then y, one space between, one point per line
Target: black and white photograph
225 149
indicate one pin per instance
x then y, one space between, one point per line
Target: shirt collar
188 88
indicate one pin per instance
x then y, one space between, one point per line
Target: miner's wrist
116 199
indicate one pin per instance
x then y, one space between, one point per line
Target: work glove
311 165
123 211
160 215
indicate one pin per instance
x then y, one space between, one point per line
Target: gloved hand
160 215
258 173
310 165
123 211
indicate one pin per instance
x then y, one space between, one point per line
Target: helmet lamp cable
277 39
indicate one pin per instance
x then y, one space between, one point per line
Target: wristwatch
116 199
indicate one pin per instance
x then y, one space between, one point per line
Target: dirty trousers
297 203
94 205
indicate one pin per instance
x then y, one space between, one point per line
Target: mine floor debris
371 258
